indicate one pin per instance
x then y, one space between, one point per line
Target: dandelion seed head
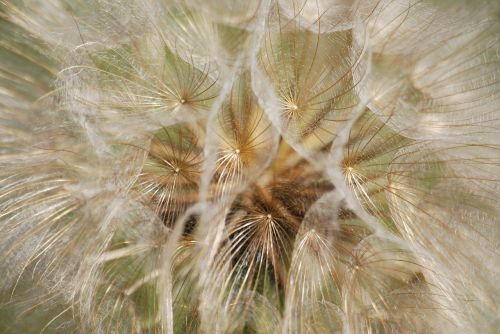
290 166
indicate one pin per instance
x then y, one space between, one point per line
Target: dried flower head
249 166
